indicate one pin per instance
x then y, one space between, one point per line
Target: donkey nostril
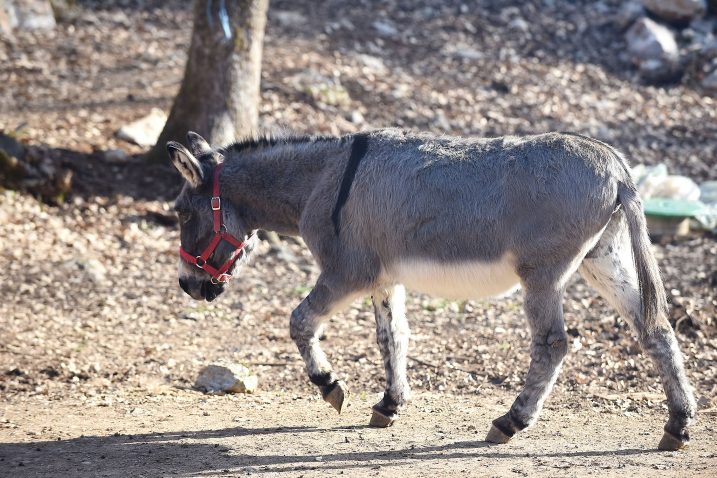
183 284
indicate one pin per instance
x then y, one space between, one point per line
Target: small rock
385 28
628 13
288 18
357 117
6 22
463 51
676 10
519 24
704 403
323 89
373 64
704 26
115 155
709 48
92 269
226 377
653 49
709 82
26 15
648 40
145 131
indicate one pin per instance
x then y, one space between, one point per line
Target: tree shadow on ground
96 175
198 452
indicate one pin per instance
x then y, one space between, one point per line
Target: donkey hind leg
392 335
305 329
544 311
610 270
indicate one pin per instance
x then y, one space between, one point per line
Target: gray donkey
456 217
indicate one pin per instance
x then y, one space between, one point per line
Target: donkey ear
197 144
186 163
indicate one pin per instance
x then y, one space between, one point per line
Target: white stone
144 131
647 40
27 15
226 377
357 117
676 10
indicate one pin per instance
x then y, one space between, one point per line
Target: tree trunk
219 94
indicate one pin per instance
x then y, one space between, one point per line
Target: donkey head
212 233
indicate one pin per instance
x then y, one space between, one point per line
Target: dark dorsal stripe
358 151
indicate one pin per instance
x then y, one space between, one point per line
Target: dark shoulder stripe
358 151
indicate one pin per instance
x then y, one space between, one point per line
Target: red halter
220 234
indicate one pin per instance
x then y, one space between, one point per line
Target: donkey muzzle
201 289
211 290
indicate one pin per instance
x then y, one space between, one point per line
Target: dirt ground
100 348
179 433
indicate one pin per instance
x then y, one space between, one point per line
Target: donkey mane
265 140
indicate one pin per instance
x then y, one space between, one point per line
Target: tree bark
219 94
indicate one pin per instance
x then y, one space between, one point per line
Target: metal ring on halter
198 264
223 228
214 281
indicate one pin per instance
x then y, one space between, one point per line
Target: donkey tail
652 292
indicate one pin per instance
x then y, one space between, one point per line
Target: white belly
457 280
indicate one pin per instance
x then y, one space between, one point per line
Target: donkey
456 217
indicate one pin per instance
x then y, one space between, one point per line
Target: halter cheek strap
219 275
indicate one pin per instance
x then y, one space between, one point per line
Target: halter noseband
219 275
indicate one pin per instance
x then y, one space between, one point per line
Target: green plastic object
666 207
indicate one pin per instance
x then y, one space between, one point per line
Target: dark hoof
335 394
670 442
379 419
497 436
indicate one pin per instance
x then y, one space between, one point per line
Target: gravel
92 311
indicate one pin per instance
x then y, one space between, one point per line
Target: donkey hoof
381 420
335 394
670 442
495 435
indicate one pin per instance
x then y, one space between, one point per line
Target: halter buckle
220 279
216 203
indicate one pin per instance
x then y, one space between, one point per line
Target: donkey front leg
543 307
392 335
305 329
